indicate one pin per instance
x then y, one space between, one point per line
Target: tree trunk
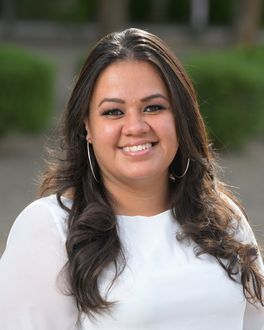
112 15
247 18
199 15
8 15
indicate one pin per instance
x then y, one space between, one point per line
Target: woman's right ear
88 137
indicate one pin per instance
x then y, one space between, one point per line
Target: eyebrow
144 99
112 99
154 96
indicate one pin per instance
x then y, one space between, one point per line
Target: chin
143 176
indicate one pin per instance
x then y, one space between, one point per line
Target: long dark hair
199 200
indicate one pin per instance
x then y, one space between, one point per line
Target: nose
135 124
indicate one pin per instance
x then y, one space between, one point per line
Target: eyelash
157 107
118 112
112 112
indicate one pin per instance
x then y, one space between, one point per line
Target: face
131 125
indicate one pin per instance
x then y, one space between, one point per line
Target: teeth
138 148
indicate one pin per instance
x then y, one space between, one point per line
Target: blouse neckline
158 216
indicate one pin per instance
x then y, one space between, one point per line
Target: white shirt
163 287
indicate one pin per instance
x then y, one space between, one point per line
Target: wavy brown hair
198 200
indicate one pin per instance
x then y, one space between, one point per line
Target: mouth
139 147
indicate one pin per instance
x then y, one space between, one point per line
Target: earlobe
88 137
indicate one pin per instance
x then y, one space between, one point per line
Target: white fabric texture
163 287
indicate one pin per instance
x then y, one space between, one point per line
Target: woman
136 230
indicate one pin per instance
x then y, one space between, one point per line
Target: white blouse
163 287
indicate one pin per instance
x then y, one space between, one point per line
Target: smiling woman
133 229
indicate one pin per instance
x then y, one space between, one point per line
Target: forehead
130 77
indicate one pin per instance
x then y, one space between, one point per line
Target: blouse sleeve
254 315
32 294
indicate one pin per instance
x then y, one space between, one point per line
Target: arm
253 316
30 296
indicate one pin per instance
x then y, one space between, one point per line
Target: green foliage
179 11
221 11
139 10
26 92
230 89
251 55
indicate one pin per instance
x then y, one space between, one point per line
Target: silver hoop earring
185 171
90 162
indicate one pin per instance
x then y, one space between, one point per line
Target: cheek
168 131
105 134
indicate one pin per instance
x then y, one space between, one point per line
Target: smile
136 148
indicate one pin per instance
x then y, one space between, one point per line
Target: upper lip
137 143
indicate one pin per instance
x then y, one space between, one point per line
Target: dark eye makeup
154 108
112 112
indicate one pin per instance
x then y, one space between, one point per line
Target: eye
154 108
112 113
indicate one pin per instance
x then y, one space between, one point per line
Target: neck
142 199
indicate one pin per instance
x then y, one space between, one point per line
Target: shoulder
33 283
44 214
37 237
242 229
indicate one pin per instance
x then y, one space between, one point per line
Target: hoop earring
185 171
90 162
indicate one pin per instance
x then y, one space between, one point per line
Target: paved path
245 172
20 156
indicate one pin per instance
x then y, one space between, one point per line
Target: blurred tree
179 11
221 12
112 15
247 20
159 10
139 11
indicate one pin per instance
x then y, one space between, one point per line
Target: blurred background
220 42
